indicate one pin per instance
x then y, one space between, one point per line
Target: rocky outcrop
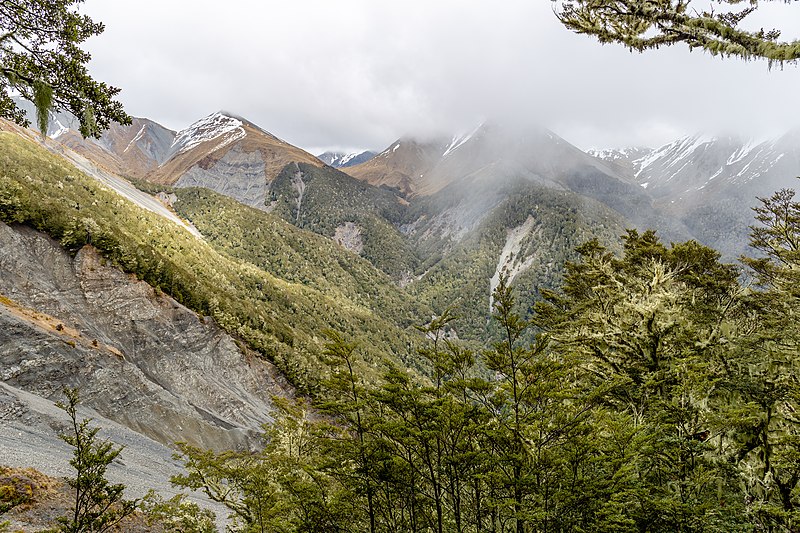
348 235
140 358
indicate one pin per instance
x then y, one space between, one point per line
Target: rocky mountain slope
139 357
131 150
141 147
229 155
401 165
473 169
711 182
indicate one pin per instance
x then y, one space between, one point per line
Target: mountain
710 183
365 219
345 159
173 335
472 167
490 152
401 165
221 152
141 147
230 155
133 150
696 168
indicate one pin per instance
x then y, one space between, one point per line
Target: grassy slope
279 318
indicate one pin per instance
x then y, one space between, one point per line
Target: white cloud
360 73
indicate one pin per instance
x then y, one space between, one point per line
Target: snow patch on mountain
135 139
345 159
743 152
694 161
459 140
56 127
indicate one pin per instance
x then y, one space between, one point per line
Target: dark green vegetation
450 243
559 221
41 59
659 394
280 319
330 198
297 256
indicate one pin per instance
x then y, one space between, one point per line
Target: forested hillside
278 317
659 394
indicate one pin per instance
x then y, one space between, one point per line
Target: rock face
140 147
348 235
238 174
140 358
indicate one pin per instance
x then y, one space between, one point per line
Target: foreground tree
41 59
646 24
769 391
653 329
99 505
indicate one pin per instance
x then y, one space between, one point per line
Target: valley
189 282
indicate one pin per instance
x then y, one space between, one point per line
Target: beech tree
769 386
646 24
98 505
41 59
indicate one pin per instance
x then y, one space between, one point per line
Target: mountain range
155 268
711 183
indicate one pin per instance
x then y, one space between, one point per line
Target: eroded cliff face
140 358
238 174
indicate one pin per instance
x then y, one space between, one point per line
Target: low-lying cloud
359 73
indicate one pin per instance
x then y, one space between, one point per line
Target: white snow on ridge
743 152
687 147
673 154
347 158
136 138
459 140
209 128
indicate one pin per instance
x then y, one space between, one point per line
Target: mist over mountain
711 183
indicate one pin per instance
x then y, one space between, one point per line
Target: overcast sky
361 73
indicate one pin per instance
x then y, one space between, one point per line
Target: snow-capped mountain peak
219 125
